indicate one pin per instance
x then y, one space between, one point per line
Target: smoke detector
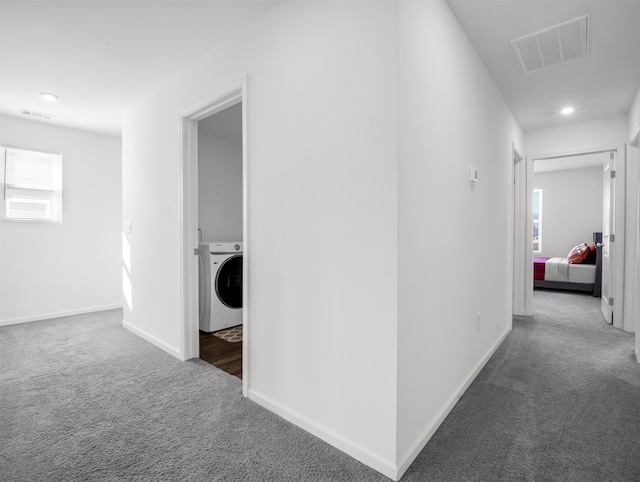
554 45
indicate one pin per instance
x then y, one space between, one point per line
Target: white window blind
31 186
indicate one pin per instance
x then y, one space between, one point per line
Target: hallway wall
322 211
454 238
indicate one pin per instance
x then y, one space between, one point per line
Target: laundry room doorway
220 239
214 232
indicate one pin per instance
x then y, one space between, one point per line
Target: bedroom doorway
619 208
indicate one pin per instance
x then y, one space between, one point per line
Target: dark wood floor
223 354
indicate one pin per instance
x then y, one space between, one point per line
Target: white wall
571 208
610 132
322 215
53 270
634 114
454 251
219 187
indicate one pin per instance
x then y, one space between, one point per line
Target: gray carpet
558 401
83 399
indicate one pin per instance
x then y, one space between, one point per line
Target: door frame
188 152
634 141
522 231
609 258
523 254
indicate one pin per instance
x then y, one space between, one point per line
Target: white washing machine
220 276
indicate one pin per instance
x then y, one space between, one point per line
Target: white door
608 218
633 248
613 237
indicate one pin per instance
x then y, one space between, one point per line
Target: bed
566 274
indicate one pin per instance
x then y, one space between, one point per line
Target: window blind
31 185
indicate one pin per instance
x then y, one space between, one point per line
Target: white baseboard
59 314
350 447
153 340
416 447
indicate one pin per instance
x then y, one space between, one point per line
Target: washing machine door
229 282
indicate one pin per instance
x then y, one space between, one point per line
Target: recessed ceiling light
48 96
567 110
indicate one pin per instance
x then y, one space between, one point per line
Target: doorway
627 207
220 240
222 224
568 209
522 282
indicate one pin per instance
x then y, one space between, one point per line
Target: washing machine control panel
233 247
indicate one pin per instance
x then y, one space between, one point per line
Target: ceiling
600 85
103 56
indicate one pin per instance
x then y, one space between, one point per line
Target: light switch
127 227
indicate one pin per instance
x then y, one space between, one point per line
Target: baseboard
350 447
153 340
416 447
59 314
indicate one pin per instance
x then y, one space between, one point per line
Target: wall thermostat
473 175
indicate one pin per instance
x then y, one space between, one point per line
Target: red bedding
538 268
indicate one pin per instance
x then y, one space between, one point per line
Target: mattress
559 269
582 273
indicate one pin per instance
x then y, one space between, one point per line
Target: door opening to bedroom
567 211
586 232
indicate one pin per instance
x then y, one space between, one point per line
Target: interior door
608 249
613 249
633 178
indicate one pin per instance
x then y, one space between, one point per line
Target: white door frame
522 232
188 125
635 243
523 257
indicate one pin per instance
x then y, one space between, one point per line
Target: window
537 220
31 186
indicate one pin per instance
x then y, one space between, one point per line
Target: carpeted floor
558 401
83 399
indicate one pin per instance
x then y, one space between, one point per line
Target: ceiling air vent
554 45
37 115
